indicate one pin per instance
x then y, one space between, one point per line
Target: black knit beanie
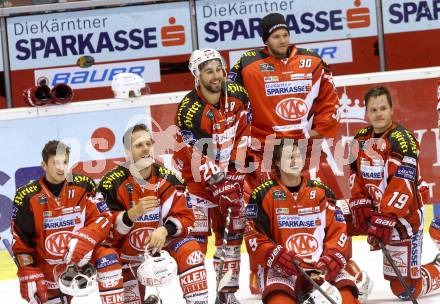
272 22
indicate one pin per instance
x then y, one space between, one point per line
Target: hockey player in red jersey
213 128
294 219
149 210
56 222
388 195
291 95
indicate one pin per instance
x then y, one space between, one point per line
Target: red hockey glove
229 192
32 285
81 246
381 228
333 262
361 211
280 259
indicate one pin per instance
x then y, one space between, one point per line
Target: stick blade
225 279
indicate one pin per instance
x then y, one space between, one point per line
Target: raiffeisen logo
299 21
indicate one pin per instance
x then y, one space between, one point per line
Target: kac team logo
292 109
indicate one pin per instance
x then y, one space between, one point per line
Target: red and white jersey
122 191
386 170
210 136
288 97
307 222
42 224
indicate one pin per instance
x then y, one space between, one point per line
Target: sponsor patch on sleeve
406 172
102 207
339 215
232 76
251 211
106 261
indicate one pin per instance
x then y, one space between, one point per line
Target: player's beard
280 52
213 88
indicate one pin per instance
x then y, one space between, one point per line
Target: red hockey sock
279 297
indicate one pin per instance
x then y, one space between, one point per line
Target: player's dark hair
51 148
378 91
278 152
126 139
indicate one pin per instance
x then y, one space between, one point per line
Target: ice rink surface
368 261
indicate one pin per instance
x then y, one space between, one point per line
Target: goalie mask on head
77 281
199 57
157 271
125 85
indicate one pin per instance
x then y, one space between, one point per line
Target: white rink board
9 289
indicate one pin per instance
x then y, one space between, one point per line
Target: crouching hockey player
149 210
59 227
294 221
388 197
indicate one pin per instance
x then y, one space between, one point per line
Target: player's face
291 161
278 43
142 149
379 113
56 168
212 76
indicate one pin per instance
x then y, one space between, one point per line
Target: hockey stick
224 280
8 247
314 284
397 272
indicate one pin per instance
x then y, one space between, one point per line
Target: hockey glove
361 211
280 259
81 246
32 285
381 228
333 262
229 192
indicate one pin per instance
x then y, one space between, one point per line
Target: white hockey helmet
125 85
157 271
77 281
201 56
316 297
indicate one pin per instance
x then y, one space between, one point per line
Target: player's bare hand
156 240
144 205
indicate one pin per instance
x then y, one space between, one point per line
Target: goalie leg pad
232 261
